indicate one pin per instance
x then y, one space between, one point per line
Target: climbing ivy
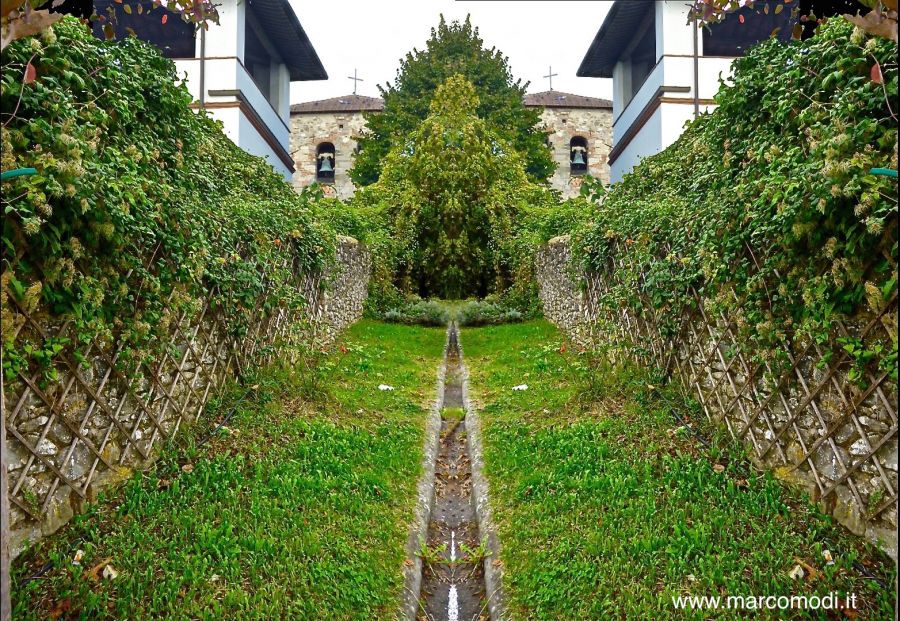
140 206
766 206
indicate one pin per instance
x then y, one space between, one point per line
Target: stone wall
93 427
342 299
595 126
309 130
809 423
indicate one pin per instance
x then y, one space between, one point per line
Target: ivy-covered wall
94 426
146 261
810 423
756 259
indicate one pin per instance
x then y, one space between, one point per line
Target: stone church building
323 138
580 135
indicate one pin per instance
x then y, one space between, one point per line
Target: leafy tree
448 194
454 48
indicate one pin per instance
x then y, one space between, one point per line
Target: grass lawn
297 510
608 510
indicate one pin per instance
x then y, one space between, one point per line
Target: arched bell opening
325 158
578 156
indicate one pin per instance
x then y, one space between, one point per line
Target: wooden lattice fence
808 420
94 425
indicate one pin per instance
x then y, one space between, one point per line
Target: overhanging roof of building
283 28
347 103
558 99
615 34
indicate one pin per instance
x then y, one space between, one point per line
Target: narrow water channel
453 575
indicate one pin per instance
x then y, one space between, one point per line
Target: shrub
483 313
419 312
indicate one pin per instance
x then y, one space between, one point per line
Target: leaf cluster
446 199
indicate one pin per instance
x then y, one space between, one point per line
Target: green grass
297 510
453 414
606 509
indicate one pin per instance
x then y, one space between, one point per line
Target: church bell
578 159
325 166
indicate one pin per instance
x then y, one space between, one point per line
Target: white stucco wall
252 142
674 117
673 33
221 74
227 37
277 123
671 71
647 142
675 68
281 101
231 122
625 114
224 71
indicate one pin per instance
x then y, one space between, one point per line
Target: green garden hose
18 172
886 172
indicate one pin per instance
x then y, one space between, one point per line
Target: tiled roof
347 103
361 103
558 99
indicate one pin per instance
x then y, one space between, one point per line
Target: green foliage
541 217
140 206
483 313
292 511
451 208
454 213
453 49
766 206
419 312
446 202
609 510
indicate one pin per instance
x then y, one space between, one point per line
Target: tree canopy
447 196
454 48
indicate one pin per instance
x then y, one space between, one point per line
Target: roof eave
588 67
347 103
304 49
